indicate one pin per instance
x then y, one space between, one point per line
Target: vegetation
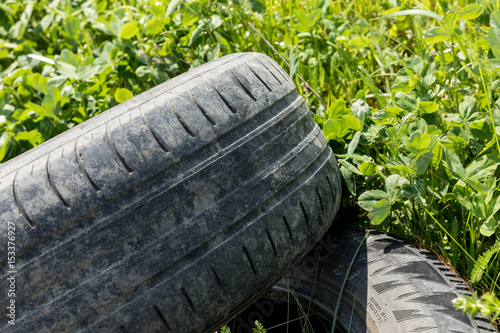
411 89
257 329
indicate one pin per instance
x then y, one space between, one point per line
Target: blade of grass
411 12
345 280
352 312
449 235
298 303
314 283
489 110
286 62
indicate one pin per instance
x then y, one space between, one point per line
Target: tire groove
183 124
320 201
18 203
279 70
245 89
258 77
331 188
52 184
148 126
115 150
210 120
288 228
256 58
218 280
249 259
305 214
221 97
162 318
79 161
272 243
188 299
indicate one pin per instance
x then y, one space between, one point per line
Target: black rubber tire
171 211
396 288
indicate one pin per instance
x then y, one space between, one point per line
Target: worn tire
171 211
392 287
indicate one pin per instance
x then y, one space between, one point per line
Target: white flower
247 34
360 110
223 7
157 3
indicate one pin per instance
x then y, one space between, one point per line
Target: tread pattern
155 136
118 156
18 203
288 229
221 97
267 68
183 123
258 77
210 120
162 318
397 287
51 181
238 82
249 260
147 210
79 160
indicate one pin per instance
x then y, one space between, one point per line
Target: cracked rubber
172 210
392 286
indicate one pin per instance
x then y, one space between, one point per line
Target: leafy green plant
224 329
422 157
488 305
413 111
66 61
259 328
483 262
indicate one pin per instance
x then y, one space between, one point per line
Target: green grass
411 88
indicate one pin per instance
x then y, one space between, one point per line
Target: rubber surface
392 286
172 210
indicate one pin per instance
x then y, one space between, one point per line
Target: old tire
392 287
171 211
